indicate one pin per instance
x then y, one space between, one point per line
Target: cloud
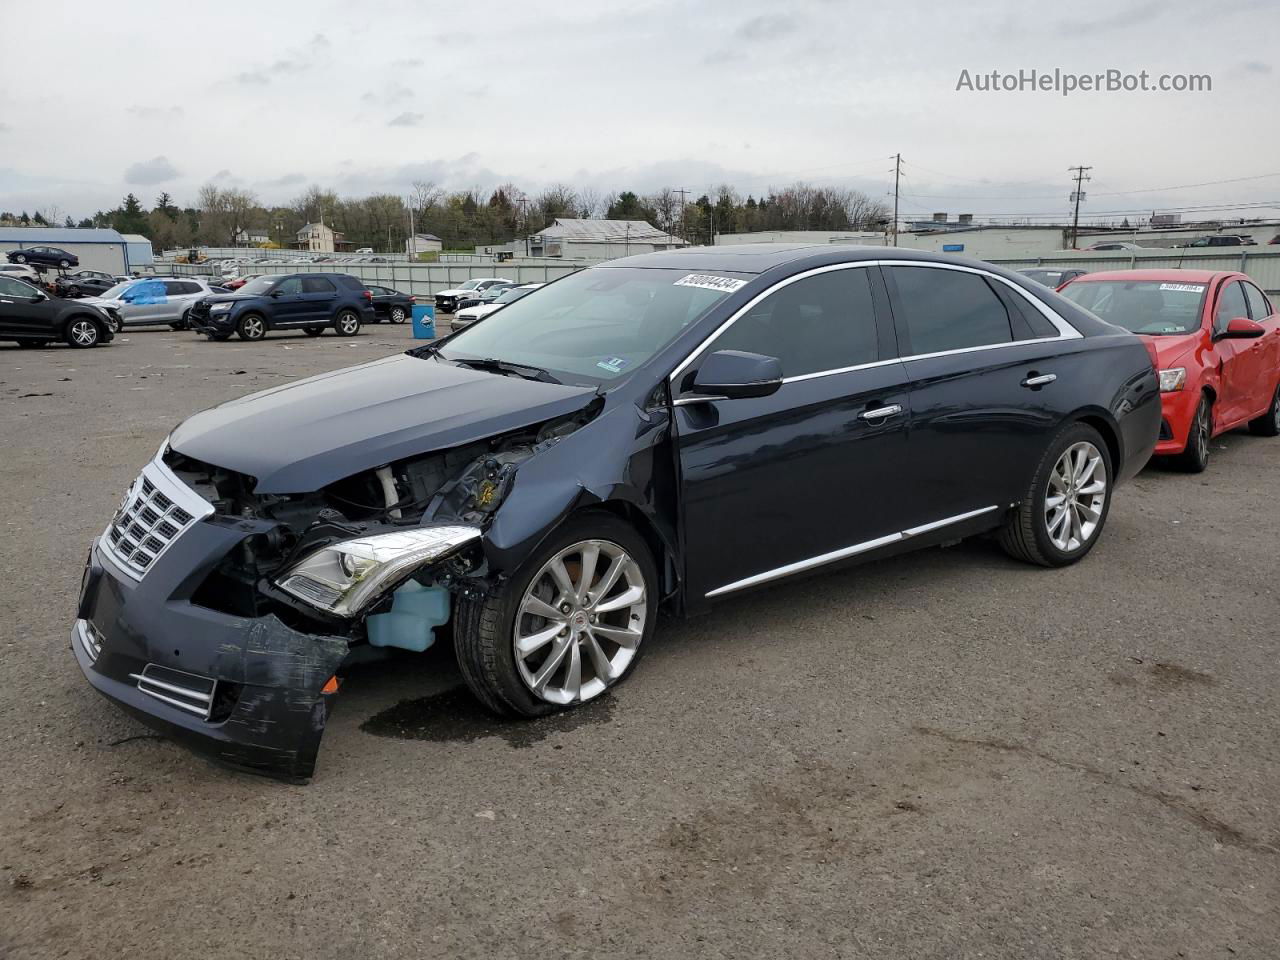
299 60
1256 66
289 179
392 94
148 172
723 55
406 120
1144 14
408 62
155 113
5 128
767 26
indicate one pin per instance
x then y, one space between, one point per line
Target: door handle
1039 379
879 413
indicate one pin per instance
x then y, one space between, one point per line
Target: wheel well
1109 437
1213 394
98 322
662 555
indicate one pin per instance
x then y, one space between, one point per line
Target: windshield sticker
708 282
612 364
1183 287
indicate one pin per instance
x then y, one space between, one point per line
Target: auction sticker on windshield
1183 287
709 282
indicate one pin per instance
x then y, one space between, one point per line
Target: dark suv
310 302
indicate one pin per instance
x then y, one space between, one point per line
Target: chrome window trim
800 566
1065 330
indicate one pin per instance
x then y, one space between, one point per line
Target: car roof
760 257
1167 275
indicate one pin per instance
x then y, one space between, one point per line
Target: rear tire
1195 458
1062 515
347 323
397 315
485 628
19 258
73 293
1268 425
251 327
64 264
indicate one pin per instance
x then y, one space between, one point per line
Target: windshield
113 293
469 285
598 324
260 284
1050 278
1150 307
512 293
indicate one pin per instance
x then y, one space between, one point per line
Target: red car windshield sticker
1183 287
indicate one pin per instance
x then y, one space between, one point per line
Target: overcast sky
370 96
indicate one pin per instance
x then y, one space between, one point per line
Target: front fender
622 456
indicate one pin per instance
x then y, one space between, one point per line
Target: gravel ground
943 755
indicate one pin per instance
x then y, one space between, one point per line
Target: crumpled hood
307 434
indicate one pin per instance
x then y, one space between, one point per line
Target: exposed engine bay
464 485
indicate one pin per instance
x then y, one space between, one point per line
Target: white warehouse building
98 249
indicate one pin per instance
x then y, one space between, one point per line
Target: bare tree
589 202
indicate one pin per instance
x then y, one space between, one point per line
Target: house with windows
423 243
320 238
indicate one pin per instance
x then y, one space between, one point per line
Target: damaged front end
223 616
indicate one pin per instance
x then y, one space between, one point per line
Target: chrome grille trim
90 640
156 510
185 691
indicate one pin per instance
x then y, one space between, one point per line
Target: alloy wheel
253 328
348 324
84 333
1077 493
1200 432
397 315
580 623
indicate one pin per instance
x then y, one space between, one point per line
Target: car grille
91 641
157 510
186 691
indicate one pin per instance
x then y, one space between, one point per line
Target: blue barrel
424 321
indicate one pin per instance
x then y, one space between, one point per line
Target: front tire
83 333
1268 425
251 327
568 625
73 293
313 331
64 264
1062 515
347 323
1195 458
397 315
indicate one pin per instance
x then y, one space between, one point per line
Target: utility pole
1076 197
897 176
413 234
682 191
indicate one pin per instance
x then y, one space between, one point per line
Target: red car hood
1171 349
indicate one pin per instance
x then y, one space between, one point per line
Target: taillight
412 298
368 295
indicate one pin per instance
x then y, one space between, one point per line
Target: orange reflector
331 686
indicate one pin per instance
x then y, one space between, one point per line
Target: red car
1216 340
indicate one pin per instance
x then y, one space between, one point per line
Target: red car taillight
368 295
412 298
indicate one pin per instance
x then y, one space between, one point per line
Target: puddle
455 716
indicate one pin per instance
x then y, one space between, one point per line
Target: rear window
1152 307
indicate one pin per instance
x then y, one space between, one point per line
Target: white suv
447 300
151 301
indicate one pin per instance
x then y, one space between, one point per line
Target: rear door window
317 285
945 310
290 286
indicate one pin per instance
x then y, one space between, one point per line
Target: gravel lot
945 755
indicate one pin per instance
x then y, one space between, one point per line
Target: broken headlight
345 577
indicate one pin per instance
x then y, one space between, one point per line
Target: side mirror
277 293
40 298
734 374
1241 328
